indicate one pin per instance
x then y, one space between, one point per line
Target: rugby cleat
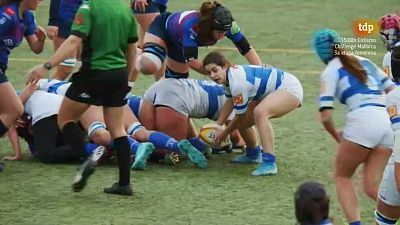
265 168
194 155
119 190
98 153
247 159
83 174
142 154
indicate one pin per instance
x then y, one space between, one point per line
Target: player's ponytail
352 65
205 25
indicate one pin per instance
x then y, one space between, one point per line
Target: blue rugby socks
198 144
164 141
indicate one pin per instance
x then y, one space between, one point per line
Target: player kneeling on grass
259 93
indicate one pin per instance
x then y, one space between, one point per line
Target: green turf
34 193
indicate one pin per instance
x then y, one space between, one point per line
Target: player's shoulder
393 97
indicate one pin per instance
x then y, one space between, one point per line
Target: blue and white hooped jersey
215 94
338 82
54 86
135 103
193 98
249 82
13 29
181 28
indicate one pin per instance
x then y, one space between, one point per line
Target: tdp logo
365 27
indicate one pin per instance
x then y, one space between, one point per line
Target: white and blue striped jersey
54 86
393 107
193 98
338 82
250 82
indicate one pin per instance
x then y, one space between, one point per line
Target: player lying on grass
93 122
39 128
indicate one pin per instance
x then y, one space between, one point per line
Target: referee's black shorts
100 87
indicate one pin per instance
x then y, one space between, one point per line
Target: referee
107 32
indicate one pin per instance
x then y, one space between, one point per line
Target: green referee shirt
106 27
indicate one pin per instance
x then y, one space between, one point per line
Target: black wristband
47 65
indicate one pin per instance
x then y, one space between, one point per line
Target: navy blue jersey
181 28
13 29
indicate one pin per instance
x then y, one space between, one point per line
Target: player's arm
329 125
397 159
131 59
34 35
326 99
14 140
27 92
252 57
36 41
197 65
225 111
241 43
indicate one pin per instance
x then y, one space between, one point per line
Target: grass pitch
34 193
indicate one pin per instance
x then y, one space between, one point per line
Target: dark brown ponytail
352 65
205 22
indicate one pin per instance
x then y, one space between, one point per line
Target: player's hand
20 123
220 135
36 73
140 5
40 33
12 158
52 32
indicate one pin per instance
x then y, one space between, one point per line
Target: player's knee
142 134
371 189
98 133
135 128
381 219
152 58
259 112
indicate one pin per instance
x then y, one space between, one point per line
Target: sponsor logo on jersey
238 99
392 110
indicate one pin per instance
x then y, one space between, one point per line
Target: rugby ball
208 133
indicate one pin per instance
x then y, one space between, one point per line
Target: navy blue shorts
64 29
3 77
152 7
157 28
